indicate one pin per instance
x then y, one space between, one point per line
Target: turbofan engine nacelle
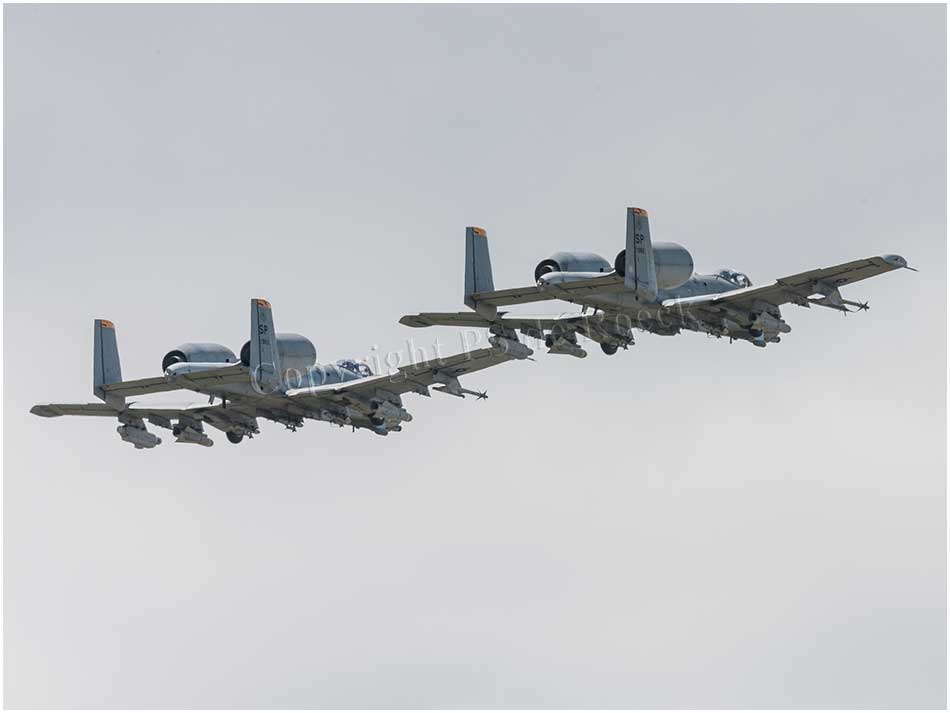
674 264
199 352
295 352
571 261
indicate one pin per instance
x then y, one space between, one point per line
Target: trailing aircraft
275 377
650 286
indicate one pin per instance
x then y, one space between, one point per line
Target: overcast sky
686 524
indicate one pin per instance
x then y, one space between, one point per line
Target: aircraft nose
895 260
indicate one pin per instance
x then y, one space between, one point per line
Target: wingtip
896 261
44 411
414 320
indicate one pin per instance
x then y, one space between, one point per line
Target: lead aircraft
276 377
651 287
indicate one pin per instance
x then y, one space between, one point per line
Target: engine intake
571 261
199 352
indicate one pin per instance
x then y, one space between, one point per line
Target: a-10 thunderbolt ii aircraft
650 286
276 377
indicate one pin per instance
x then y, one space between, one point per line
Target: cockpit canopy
357 367
736 278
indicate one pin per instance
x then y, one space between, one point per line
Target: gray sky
686 524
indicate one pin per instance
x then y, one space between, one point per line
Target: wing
408 379
603 327
53 410
448 319
230 418
103 409
524 323
797 289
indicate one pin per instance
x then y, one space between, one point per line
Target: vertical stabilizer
265 360
105 361
478 276
640 269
